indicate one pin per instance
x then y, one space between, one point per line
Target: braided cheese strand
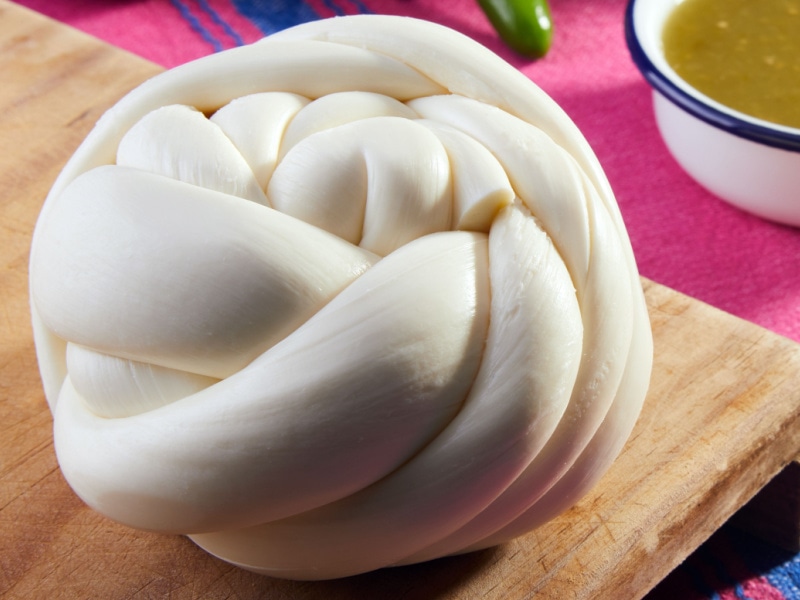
508 415
354 393
311 69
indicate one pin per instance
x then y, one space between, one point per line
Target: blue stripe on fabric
195 24
361 7
739 591
338 11
214 15
779 567
786 578
336 6
271 16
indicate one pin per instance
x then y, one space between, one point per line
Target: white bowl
749 162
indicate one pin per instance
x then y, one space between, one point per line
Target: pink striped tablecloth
683 237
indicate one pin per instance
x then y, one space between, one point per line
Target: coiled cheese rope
353 296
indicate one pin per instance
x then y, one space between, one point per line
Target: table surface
720 420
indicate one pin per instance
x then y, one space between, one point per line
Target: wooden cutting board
721 419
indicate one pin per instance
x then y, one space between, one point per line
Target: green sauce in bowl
744 54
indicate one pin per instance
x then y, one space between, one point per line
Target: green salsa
744 54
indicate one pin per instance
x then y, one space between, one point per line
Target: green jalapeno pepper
524 25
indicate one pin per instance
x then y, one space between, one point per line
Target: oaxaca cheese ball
354 296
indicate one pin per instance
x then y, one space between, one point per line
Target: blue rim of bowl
727 122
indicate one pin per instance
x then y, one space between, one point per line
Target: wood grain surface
721 419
